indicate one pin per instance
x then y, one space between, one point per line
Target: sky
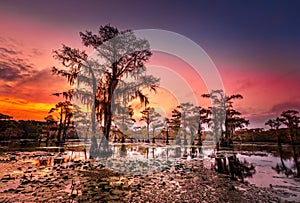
255 46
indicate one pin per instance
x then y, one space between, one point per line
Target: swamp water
272 167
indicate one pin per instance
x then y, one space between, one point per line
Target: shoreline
91 181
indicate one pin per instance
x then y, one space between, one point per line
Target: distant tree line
11 129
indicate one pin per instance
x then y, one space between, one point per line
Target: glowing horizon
262 65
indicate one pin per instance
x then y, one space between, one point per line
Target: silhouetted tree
123 55
149 116
50 121
226 118
203 116
65 113
274 125
5 117
167 124
124 120
5 125
189 121
146 118
174 125
156 123
291 119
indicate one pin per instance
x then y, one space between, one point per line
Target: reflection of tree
281 167
274 125
123 151
291 119
239 170
177 152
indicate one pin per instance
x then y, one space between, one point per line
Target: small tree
156 123
226 118
291 119
64 110
274 125
50 121
4 117
174 124
167 124
203 116
189 121
124 120
149 116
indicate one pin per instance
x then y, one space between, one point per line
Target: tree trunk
107 124
148 140
64 129
227 132
60 127
108 113
167 136
153 139
94 144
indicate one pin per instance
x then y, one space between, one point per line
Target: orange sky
267 77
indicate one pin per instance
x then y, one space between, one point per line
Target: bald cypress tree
120 55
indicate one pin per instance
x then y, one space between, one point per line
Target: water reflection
258 163
62 158
123 151
128 150
285 158
281 167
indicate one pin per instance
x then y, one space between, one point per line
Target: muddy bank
91 181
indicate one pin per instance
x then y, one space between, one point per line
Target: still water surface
273 167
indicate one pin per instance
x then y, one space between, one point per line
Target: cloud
258 117
279 108
8 51
241 85
14 65
7 73
21 78
36 52
13 101
37 88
